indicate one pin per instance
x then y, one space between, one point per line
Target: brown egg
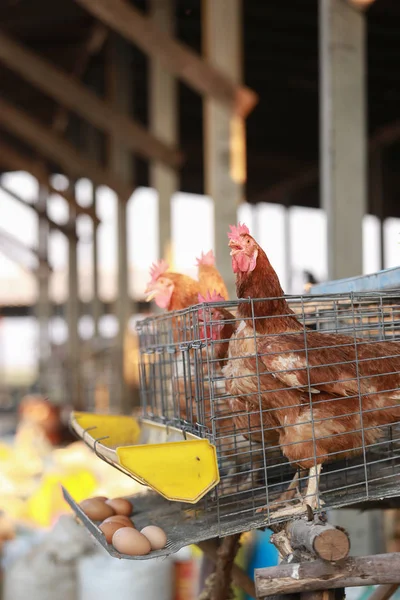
102 498
156 536
122 506
109 528
97 510
130 541
120 519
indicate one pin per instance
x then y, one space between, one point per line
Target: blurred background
141 129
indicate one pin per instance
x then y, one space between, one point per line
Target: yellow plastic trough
179 469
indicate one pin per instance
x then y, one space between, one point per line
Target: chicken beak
150 295
150 292
235 247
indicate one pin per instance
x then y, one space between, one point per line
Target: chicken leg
311 498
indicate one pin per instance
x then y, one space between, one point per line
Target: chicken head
160 287
211 319
244 249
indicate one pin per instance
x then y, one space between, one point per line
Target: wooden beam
384 136
16 250
176 57
16 161
67 230
73 95
91 46
309 576
57 150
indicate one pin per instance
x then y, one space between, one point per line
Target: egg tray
180 524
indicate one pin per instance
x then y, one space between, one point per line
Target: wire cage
298 415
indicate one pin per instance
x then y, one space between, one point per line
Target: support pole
163 121
224 132
96 305
343 133
43 301
120 91
72 310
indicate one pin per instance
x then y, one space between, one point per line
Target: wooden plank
57 150
67 230
310 576
175 56
73 95
16 161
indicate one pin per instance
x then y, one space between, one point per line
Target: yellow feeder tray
180 467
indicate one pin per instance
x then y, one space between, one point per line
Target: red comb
158 268
236 232
206 259
214 297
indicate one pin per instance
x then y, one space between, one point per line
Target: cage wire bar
189 371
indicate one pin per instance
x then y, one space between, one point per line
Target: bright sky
306 229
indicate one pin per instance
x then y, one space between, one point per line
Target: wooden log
239 577
311 576
319 538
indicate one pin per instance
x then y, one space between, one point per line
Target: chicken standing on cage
327 395
210 279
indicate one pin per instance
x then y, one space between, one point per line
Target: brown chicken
210 279
171 291
326 395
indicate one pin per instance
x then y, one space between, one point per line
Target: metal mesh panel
282 402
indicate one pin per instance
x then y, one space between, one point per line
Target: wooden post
224 132
93 145
377 191
120 92
163 123
96 305
343 133
43 300
239 577
72 313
